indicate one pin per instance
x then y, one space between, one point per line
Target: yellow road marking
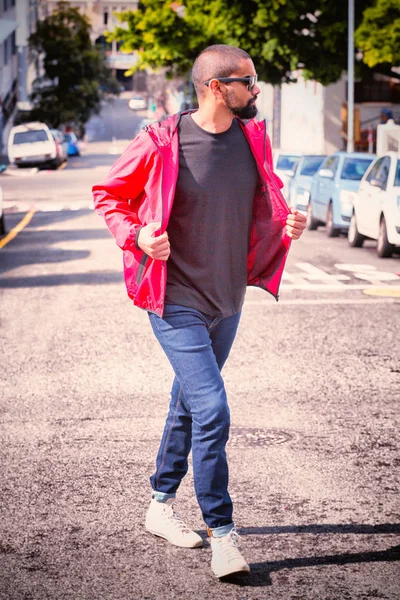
15 230
388 292
62 166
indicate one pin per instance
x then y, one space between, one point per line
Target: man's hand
295 224
156 247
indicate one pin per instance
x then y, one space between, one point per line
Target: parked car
137 103
32 144
284 163
2 218
376 206
61 142
300 180
72 141
328 204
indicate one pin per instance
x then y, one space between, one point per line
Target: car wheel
384 247
356 239
3 230
311 222
331 230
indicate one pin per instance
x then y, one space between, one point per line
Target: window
105 18
374 171
384 172
6 52
311 165
27 137
331 163
5 5
397 175
286 162
13 43
354 168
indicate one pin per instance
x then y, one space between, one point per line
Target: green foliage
280 35
379 34
75 67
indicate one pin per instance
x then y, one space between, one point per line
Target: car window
331 163
374 171
28 137
286 162
383 173
397 175
311 165
354 168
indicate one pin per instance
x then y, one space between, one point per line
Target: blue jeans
197 346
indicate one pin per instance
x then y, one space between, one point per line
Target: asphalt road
313 385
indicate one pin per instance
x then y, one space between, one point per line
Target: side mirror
327 173
377 183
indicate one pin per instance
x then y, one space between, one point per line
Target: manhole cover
253 436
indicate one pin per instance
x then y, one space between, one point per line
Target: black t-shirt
210 222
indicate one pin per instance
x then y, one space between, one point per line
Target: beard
248 111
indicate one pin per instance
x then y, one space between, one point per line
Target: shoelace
176 521
229 544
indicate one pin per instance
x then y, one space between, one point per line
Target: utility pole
350 79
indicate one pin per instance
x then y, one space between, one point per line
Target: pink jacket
140 189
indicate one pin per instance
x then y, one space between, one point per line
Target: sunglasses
250 81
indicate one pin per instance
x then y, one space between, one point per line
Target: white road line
314 273
321 301
330 287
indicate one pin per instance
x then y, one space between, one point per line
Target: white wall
302 116
334 96
265 105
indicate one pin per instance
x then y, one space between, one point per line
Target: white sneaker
162 521
226 558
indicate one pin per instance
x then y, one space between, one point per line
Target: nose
256 90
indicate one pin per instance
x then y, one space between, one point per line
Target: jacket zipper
145 257
141 269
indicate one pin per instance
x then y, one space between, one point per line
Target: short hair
216 61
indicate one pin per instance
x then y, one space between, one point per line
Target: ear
215 87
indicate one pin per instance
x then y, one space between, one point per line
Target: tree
76 76
379 34
280 35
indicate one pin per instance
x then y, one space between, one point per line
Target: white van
32 144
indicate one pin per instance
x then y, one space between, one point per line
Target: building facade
103 17
308 117
18 20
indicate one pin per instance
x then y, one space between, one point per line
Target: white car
137 103
33 144
376 206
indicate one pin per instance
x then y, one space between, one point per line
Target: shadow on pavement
260 572
260 575
33 246
328 528
94 278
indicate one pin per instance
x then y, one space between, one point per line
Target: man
198 212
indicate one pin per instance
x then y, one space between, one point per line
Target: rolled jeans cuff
218 532
161 496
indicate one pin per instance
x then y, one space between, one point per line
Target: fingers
155 246
295 224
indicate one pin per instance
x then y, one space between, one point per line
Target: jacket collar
163 131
